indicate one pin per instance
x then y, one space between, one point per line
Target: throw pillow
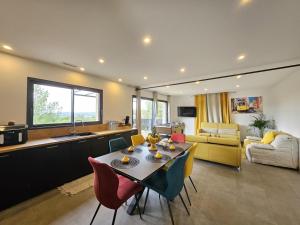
268 137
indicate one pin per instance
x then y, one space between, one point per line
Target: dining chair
177 137
188 168
168 183
112 190
137 139
117 144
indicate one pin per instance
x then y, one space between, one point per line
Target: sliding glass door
147 119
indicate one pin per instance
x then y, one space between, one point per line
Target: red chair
112 190
179 138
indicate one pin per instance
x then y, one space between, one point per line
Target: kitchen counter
50 141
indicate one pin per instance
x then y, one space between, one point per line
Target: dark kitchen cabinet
29 172
127 135
99 147
13 187
47 167
79 153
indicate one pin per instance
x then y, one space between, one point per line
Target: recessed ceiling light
7 47
147 40
145 78
241 57
245 2
237 85
82 69
205 89
197 82
238 77
182 69
167 86
101 61
120 80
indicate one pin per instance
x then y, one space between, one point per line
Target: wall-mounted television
186 111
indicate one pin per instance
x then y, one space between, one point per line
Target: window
162 112
146 115
55 104
147 119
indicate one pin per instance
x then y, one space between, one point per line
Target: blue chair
117 144
168 183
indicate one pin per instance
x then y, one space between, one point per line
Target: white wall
244 119
286 96
176 101
13 88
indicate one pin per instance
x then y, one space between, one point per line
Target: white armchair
283 151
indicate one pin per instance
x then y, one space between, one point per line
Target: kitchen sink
82 134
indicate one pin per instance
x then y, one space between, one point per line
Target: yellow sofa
218 142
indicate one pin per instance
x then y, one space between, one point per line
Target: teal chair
117 144
168 183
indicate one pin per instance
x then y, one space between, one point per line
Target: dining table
142 163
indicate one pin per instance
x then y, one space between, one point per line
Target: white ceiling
205 36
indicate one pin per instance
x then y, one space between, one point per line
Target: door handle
53 146
100 138
4 156
81 141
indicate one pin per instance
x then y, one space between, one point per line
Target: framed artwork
247 105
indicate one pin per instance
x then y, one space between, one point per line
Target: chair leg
95 214
184 204
187 194
193 183
113 222
138 206
170 211
146 200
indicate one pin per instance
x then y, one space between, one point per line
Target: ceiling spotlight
241 57
7 47
167 86
82 69
238 77
182 69
120 80
205 89
245 2
145 78
237 85
197 82
101 61
147 40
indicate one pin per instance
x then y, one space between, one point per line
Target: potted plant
260 123
153 138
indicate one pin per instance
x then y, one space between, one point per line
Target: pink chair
112 190
179 138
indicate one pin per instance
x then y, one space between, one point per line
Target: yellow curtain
200 103
225 107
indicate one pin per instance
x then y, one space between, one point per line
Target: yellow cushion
268 137
223 141
228 126
196 138
204 134
227 136
209 125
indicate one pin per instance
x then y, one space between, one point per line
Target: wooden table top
145 167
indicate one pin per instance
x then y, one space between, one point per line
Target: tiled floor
259 195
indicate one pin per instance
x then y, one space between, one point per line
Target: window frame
146 98
29 115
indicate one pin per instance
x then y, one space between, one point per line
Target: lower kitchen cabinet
79 153
29 172
13 187
99 147
47 167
